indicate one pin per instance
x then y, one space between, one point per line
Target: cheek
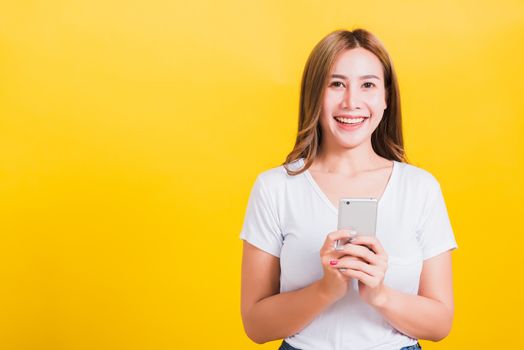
330 100
324 119
327 107
378 102
375 121
377 108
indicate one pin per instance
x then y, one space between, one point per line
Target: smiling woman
343 68
348 90
295 284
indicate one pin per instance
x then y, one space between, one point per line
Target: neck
347 161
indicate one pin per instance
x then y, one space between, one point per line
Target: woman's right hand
334 284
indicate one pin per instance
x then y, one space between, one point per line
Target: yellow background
131 133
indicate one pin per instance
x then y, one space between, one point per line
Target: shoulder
417 174
417 177
278 177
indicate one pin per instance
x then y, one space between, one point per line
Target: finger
332 258
361 252
363 277
370 241
334 255
360 266
380 264
331 238
334 266
352 233
348 257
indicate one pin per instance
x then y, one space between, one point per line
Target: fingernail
333 262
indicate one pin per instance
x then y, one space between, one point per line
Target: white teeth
349 120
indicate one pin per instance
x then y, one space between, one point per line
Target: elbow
261 335
444 329
439 336
256 339
252 332
252 335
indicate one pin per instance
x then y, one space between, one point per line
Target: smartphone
357 215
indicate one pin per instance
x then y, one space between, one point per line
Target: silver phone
357 215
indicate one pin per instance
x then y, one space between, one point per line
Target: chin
347 145
352 141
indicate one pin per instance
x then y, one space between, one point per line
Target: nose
351 98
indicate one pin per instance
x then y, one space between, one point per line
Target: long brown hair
387 140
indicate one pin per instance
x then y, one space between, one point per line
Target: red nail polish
333 262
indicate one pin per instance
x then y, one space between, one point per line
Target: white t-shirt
289 217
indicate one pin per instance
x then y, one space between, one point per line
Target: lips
352 116
350 119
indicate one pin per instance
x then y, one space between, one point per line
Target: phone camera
347 203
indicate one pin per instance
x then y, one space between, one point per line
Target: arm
427 315
431 311
267 314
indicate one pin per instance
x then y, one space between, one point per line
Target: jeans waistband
286 346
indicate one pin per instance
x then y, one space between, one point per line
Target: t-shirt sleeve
261 225
435 233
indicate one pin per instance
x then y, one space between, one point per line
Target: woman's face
354 100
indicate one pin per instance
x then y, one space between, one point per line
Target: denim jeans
286 346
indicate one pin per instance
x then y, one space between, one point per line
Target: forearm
416 316
284 314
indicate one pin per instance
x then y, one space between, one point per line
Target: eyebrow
369 76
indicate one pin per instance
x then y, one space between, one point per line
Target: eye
368 85
337 84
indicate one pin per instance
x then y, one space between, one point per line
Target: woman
384 291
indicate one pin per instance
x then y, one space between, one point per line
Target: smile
350 121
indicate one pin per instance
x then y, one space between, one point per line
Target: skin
347 166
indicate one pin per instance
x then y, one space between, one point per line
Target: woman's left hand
367 261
